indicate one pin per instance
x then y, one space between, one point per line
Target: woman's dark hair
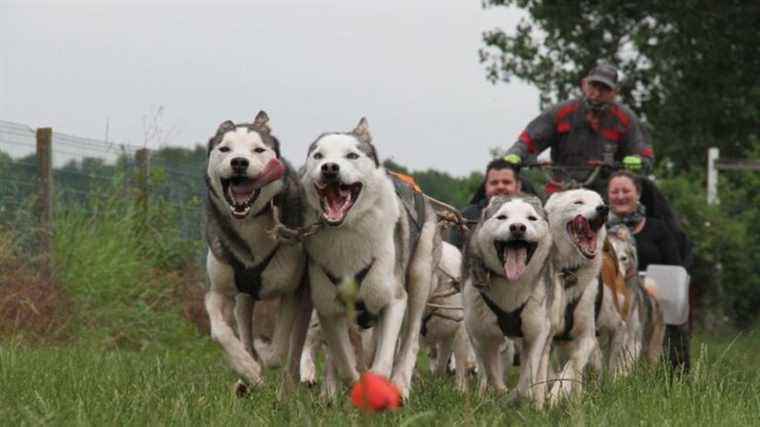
624 173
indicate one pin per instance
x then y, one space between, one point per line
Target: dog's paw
241 389
310 382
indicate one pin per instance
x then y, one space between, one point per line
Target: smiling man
502 178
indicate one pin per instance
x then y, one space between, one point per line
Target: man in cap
592 128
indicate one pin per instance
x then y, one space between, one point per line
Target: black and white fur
367 228
245 178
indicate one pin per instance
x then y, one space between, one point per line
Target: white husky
576 218
507 291
247 182
368 235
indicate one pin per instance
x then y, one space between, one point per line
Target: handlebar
594 167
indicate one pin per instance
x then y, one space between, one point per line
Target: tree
691 67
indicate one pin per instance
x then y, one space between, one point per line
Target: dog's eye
224 149
501 217
318 156
579 202
352 156
259 150
532 218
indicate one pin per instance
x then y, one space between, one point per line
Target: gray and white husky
576 220
507 291
378 233
247 183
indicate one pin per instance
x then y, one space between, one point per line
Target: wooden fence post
45 199
142 157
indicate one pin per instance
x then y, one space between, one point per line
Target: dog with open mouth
378 233
577 219
507 291
248 185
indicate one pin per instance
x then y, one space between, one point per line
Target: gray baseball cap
605 74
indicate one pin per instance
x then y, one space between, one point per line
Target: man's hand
513 158
632 163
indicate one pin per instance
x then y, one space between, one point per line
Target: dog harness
364 317
570 309
248 280
510 322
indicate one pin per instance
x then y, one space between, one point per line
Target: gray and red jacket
565 129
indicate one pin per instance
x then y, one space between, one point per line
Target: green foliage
110 258
691 67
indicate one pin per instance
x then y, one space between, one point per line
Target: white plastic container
671 288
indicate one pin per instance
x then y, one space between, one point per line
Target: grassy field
76 385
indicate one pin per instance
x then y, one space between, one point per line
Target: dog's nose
517 228
602 210
330 170
239 164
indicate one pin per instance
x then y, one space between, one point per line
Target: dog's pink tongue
273 171
514 262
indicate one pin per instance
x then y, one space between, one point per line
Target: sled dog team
361 249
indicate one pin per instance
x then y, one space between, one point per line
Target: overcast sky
410 66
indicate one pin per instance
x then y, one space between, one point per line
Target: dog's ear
223 128
261 122
361 131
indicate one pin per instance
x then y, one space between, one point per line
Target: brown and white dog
646 325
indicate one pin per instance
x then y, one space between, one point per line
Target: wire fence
86 172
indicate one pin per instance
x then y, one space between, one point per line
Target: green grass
192 386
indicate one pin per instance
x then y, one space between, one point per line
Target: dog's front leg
301 316
620 360
531 385
489 357
461 354
241 361
308 367
244 318
335 330
282 331
419 286
570 379
388 328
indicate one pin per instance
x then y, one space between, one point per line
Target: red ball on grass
374 393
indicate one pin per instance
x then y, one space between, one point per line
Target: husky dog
615 318
576 219
507 291
443 329
646 326
377 233
247 183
